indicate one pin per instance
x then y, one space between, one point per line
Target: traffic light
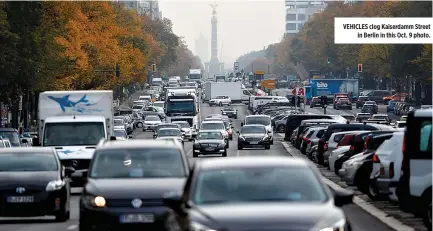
153 67
117 70
293 100
360 68
328 61
324 100
299 102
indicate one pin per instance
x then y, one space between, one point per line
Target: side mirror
69 170
24 141
242 124
342 197
35 141
173 201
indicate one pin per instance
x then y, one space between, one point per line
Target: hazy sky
243 25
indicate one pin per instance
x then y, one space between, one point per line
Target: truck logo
78 106
322 85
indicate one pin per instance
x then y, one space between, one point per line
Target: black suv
360 102
253 135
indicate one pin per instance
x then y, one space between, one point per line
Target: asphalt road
360 220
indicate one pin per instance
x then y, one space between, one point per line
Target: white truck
182 105
234 90
194 75
74 122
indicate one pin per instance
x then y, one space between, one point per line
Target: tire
372 191
272 141
84 226
225 153
267 147
139 125
281 128
240 147
362 180
227 146
194 154
63 215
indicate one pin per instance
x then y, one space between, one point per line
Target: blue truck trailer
329 87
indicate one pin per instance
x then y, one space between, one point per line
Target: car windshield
229 109
380 117
212 126
167 126
253 129
119 133
28 162
138 163
263 120
152 118
169 132
209 136
137 107
73 134
12 136
288 184
118 122
184 125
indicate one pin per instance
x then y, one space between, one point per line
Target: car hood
126 188
22 179
271 216
209 141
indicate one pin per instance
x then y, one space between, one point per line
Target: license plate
137 218
21 199
209 149
254 142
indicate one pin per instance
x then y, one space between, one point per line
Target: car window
169 132
338 137
297 184
426 136
209 136
310 134
28 162
12 136
320 133
253 129
212 126
138 163
263 120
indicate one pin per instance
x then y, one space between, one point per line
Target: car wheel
372 191
63 215
236 117
267 146
194 154
227 146
272 141
240 147
139 125
225 153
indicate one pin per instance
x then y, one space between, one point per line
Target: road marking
237 153
71 227
366 206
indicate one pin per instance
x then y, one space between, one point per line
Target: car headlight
221 145
241 137
93 201
199 227
338 226
265 138
55 185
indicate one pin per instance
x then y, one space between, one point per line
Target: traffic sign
360 67
300 91
268 83
294 91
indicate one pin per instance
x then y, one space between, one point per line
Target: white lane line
71 227
237 153
366 206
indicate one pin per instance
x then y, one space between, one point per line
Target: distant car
370 107
12 135
216 126
34 183
360 102
343 103
150 122
362 116
170 133
165 125
316 102
254 135
126 181
220 100
230 112
121 134
257 193
381 117
160 104
186 129
209 142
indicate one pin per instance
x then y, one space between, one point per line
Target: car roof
179 122
26 150
423 113
251 161
209 131
139 143
380 115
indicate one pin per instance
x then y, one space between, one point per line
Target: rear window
310 134
320 133
345 140
338 137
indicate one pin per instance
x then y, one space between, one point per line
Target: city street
360 220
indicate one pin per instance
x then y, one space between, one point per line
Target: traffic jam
188 154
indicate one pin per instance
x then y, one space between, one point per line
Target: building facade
300 11
148 7
201 48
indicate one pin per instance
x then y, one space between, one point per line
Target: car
126 181
138 108
209 142
160 104
150 122
5 143
254 135
121 134
216 126
34 183
257 193
360 102
349 117
362 116
169 133
220 100
165 125
150 110
315 102
343 103
186 129
230 112
228 125
120 121
369 107
12 135
263 120
381 117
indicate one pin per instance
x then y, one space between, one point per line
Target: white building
149 7
300 11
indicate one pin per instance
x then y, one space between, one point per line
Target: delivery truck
235 90
330 87
74 122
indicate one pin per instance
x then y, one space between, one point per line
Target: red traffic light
359 67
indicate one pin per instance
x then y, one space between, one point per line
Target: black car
253 135
343 103
209 142
360 102
126 181
33 183
369 108
230 112
257 193
315 102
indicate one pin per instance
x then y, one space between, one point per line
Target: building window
291 26
300 25
301 17
290 17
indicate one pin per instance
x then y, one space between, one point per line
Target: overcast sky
243 25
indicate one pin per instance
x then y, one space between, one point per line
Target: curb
366 206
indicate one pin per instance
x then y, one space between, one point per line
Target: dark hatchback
12 135
316 102
230 112
254 135
209 143
293 121
126 182
256 194
33 183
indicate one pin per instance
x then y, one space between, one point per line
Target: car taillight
325 147
307 140
375 159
